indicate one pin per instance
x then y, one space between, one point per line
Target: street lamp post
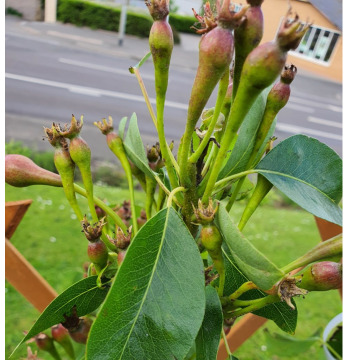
122 23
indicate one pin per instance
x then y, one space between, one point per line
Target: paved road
55 70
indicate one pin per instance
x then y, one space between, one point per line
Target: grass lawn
50 238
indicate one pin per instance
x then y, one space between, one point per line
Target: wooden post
250 323
18 271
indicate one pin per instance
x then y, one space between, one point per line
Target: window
318 44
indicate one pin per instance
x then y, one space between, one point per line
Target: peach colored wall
273 11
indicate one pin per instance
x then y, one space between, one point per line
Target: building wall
274 10
31 9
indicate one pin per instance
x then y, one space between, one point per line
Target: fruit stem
103 206
258 305
172 194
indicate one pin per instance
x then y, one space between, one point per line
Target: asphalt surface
55 70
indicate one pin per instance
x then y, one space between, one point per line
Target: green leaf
164 177
122 126
245 142
250 260
134 146
283 316
208 338
309 173
85 294
279 344
156 305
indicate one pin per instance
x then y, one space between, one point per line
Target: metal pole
122 23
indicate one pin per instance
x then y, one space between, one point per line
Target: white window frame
309 41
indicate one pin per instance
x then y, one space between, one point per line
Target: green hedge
182 23
97 16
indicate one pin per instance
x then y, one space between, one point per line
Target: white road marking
315 104
51 42
293 129
103 68
84 91
74 37
324 122
90 91
309 110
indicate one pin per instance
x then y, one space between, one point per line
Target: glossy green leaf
85 294
278 344
309 173
156 305
244 145
208 338
164 177
122 126
283 316
255 265
134 146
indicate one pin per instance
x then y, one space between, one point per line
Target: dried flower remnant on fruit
72 130
287 289
206 22
54 137
72 320
291 31
159 9
205 214
92 232
224 17
106 127
121 240
288 74
30 355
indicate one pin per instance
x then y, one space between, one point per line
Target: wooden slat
18 271
25 279
239 333
14 212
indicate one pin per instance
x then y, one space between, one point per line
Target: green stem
243 303
103 206
249 285
208 161
245 97
150 191
166 190
88 185
164 147
333 352
325 249
172 194
225 181
167 152
227 347
235 194
223 85
120 153
270 299
160 199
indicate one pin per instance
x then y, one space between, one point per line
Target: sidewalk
184 55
